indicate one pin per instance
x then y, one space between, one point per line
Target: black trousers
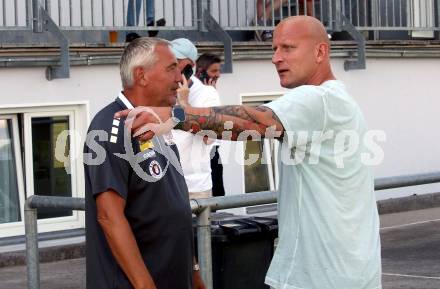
216 173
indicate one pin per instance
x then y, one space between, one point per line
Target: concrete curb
410 203
48 254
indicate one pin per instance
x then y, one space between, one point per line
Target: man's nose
178 76
276 57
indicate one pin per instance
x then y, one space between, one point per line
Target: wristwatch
178 116
196 267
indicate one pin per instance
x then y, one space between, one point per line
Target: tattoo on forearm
262 108
233 110
275 117
241 118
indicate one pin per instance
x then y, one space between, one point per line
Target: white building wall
399 96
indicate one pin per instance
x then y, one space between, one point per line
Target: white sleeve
208 96
301 111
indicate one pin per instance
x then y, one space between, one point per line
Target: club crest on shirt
155 169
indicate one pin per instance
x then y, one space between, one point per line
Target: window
50 176
261 175
11 186
256 174
40 135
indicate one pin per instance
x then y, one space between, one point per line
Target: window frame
269 146
13 226
29 170
78 122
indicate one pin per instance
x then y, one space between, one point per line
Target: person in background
208 71
195 150
266 11
133 13
208 68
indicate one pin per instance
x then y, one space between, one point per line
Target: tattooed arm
238 118
233 118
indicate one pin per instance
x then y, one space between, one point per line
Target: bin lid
268 224
233 227
226 226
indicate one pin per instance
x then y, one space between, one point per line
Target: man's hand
146 122
197 281
212 82
183 92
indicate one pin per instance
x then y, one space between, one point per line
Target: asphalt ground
411 250
410 257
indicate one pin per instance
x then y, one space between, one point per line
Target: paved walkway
410 257
410 250
69 274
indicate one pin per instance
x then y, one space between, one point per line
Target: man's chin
283 84
172 100
286 84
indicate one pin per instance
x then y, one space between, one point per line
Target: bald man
328 219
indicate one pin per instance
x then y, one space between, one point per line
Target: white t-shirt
194 153
328 220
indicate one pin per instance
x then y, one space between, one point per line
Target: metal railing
202 208
15 14
265 14
391 15
421 18
371 15
122 15
374 15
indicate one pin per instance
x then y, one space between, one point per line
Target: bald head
305 26
301 52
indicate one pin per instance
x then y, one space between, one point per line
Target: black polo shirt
157 205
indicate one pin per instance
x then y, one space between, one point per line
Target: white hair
139 53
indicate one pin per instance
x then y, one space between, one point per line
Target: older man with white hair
138 219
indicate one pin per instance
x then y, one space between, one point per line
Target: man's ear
140 76
322 51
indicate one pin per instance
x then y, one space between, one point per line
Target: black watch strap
178 115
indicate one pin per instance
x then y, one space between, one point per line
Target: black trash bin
242 248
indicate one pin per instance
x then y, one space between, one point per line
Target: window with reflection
50 176
9 193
